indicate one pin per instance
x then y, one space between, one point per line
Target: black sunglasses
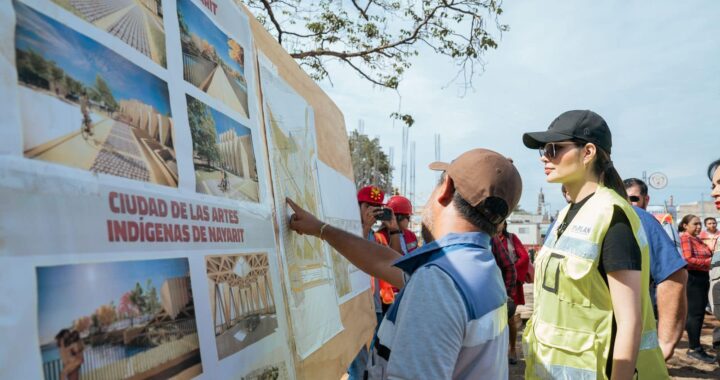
634 198
551 150
400 218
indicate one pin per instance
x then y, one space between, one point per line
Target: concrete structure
239 287
145 117
236 154
243 307
175 295
529 228
701 209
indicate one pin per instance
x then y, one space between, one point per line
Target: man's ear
446 190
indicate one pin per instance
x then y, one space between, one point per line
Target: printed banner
142 198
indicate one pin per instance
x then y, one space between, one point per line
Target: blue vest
463 257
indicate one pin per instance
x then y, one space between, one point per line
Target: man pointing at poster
450 319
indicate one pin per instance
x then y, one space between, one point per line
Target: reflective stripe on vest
557 372
649 340
569 334
403 245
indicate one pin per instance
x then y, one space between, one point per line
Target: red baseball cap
400 205
372 195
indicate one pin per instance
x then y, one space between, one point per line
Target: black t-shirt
619 251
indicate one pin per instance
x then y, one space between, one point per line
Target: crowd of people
613 289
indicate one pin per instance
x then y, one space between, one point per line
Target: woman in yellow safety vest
592 317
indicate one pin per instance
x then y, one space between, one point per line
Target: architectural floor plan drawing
290 127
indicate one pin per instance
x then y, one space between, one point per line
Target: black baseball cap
583 125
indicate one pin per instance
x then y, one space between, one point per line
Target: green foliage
104 94
138 298
38 64
202 131
370 164
405 118
151 298
73 86
56 73
380 38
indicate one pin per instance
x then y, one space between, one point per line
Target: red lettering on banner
144 227
211 5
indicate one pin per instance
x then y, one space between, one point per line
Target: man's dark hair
630 182
481 216
485 216
708 218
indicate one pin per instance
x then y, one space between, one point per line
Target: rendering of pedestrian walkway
219 85
114 148
137 22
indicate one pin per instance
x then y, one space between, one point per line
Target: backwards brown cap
479 174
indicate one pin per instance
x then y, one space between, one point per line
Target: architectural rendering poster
101 112
115 320
336 192
136 211
290 127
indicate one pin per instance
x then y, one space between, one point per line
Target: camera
383 214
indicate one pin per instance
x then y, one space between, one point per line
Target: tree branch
407 40
362 11
359 70
274 20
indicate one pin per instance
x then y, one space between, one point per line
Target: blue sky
201 25
84 58
68 292
650 69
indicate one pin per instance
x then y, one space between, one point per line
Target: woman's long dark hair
715 165
607 174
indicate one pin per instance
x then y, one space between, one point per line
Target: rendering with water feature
98 111
241 300
118 320
223 154
212 61
138 23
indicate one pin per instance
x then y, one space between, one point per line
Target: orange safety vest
386 291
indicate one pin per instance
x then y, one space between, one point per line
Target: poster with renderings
139 220
117 320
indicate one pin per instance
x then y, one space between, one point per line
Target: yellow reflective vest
568 335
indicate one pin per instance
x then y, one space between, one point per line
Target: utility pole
361 126
403 163
437 154
411 193
391 157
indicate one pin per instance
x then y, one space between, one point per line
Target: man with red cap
395 230
449 321
370 201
